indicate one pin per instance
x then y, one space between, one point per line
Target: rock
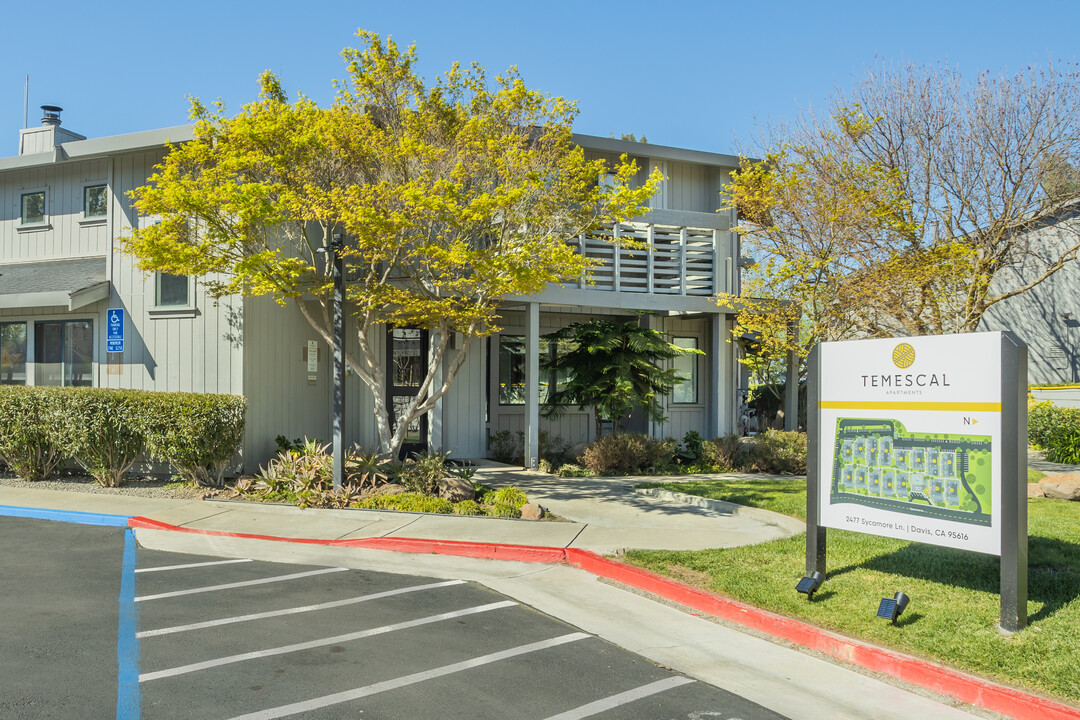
1034 490
532 511
456 489
1063 486
391 489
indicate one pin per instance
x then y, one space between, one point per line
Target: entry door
406 362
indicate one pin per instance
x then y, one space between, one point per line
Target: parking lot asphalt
95 627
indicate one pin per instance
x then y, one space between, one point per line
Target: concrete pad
88 502
280 522
607 540
491 530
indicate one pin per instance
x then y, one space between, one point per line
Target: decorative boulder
1063 486
1034 490
391 489
532 511
456 489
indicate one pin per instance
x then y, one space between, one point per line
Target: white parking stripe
337 698
614 701
191 565
293 611
183 669
245 583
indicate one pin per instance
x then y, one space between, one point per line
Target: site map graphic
878 463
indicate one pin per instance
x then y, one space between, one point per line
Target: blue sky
693 74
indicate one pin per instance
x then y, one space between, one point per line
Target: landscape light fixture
810 584
890 608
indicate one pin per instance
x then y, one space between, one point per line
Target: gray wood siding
463 406
64 235
281 399
694 187
1046 317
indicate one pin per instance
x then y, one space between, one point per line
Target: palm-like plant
612 368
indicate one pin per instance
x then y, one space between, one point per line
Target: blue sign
114 330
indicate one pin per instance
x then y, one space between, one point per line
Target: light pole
336 245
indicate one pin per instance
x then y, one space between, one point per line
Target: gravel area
148 486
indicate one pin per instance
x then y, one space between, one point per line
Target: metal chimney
51 114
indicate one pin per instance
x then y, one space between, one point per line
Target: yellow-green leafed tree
450 195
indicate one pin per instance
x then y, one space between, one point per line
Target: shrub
777 451
468 507
1058 432
101 430
198 433
30 434
1042 417
422 473
572 470
406 502
506 447
723 454
627 453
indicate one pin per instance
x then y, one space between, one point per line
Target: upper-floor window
33 208
172 291
686 366
95 201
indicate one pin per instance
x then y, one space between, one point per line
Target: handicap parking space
237 638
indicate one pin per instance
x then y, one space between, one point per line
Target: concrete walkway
1037 461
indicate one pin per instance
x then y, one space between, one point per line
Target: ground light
810 584
890 608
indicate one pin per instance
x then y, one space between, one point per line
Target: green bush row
106 430
773 451
1056 430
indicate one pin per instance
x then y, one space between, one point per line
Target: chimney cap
52 114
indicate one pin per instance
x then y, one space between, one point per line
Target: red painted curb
952 683
966 688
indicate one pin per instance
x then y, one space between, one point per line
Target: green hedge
105 431
1056 430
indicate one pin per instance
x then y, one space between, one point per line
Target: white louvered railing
642 258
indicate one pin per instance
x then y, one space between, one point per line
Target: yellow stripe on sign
910 405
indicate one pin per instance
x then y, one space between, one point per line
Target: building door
406 362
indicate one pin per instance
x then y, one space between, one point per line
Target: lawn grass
1035 476
954 594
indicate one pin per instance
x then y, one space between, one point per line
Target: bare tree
913 194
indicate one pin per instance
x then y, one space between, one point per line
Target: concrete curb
921 673
788 524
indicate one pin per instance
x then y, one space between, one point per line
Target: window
686 367
95 202
13 353
33 208
172 291
512 368
64 352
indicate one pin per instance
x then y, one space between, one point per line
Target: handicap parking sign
114 330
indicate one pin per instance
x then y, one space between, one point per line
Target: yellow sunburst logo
903 355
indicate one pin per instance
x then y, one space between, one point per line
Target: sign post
114 330
922 439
